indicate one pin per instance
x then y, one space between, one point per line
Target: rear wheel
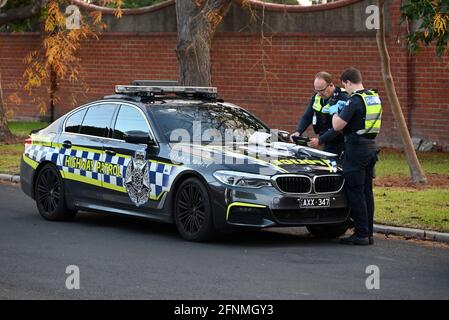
192 211
328 230
49 195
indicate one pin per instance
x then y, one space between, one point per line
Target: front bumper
269 207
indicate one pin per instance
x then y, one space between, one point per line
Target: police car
181 155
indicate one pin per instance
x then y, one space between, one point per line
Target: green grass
10 158
426 208
394 163
10 154
23 128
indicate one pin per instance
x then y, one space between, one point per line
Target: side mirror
139 137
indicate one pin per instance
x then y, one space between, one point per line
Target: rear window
73 123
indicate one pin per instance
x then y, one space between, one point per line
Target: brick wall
273 79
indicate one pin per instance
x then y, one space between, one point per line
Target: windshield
206 123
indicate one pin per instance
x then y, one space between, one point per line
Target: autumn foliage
57 58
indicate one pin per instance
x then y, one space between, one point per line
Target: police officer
360 121
326 94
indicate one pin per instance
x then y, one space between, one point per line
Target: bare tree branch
135 11
21 13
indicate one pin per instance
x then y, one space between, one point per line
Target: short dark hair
323 75
352 74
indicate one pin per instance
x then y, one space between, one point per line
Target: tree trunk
5 133
416 171
197 21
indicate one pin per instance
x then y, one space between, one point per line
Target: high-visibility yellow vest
373 117
333 99
317 104
320 118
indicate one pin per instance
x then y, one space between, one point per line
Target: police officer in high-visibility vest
326 94
360 120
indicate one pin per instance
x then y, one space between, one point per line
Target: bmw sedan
181 155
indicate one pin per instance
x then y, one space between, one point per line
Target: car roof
168 102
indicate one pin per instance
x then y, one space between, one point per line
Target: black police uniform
358 167
322 122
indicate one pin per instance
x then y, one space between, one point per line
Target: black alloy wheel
49 195
193 216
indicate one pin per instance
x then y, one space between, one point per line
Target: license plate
314 202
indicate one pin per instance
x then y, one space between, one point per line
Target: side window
98 119
129 119
73 123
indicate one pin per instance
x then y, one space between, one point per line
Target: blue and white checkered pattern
161 178
41 153
333 165
160 175
120 161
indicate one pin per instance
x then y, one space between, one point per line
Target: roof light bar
161 90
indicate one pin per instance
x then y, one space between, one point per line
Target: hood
266 158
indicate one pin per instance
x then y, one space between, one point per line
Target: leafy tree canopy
430 24
19 26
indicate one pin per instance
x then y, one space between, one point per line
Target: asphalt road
127 258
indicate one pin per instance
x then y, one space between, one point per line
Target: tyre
192 211
49 195
328 230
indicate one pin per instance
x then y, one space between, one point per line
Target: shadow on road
274 237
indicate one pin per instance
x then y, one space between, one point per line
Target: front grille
294 184
324 184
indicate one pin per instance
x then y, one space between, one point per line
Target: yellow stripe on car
77 177
242 204
33 164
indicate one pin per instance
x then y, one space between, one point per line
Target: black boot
354 239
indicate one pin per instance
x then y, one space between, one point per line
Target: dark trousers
336 147
358 169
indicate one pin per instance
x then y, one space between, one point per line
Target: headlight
242 179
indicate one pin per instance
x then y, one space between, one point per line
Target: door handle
67 144
110 152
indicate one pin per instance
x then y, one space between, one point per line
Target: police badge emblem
137 179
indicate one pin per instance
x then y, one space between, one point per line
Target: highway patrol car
163 152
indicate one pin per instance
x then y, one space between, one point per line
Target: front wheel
192 211
328 230
49 195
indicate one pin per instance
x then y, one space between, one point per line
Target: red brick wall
13 49
273 80
280 95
